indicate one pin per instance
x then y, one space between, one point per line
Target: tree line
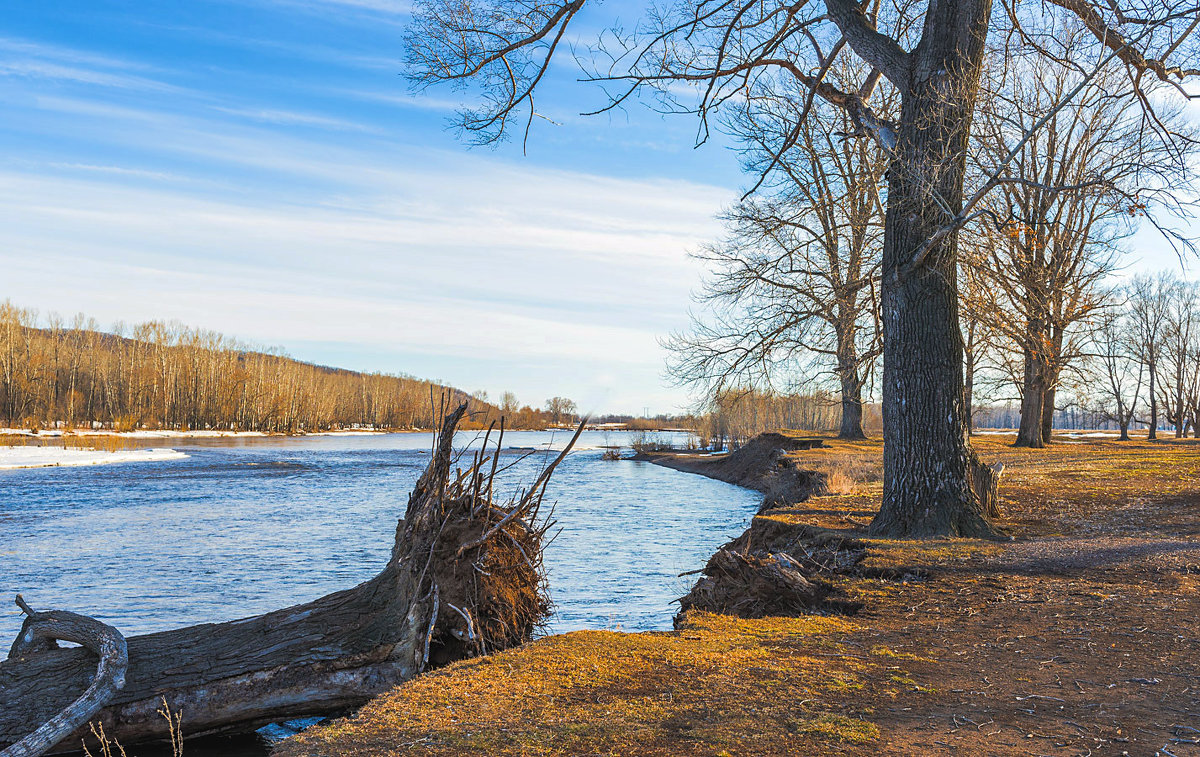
72 374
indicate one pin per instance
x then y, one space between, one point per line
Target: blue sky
259 167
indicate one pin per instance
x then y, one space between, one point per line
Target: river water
246 525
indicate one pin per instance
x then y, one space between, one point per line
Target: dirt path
1085 640
1056 646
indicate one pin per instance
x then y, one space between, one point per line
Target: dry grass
1078 637
98 442
849 467
750 687
110 747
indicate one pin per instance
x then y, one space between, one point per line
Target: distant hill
170 376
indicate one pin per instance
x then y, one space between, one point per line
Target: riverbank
1078 636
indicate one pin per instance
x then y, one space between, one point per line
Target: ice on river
48 457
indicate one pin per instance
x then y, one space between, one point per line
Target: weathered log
41 632
337 651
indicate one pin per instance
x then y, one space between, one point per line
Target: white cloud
464 257
391 11
350 247
52 70
292 118
27 49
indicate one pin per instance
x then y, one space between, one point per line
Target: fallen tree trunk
464 578
40 633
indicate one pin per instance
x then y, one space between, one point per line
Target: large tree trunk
927 476
851 383
1153 433
451 589
1048 400
1124 417
852 407
1051 369
1033 398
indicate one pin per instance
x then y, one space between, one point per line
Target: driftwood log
464 578
41 632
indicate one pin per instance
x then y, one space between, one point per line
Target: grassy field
1078 636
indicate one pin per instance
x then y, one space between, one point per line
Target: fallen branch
40 632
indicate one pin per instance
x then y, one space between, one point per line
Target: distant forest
169 376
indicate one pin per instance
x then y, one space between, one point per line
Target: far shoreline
144 433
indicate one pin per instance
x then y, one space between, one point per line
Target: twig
24 605
433 616
520 507
467 617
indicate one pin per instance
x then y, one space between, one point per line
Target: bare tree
561 410
980 338
1180 354
797 274
509 405
1149 301
1119 373
733 416
1077 185
166 375
931 53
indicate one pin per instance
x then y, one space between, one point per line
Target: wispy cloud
120 171
391 11
292 118
463 257
421 100
26 49
287 210
49 70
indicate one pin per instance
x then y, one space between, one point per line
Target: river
245 525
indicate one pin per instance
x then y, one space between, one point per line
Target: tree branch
877 49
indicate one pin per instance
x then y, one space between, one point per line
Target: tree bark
1048 398
329 654
852 408
1152 435
1033 397
927 477
40 633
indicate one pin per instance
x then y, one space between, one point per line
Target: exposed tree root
465 578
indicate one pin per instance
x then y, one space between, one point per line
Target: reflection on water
247 525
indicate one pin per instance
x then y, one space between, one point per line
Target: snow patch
50 457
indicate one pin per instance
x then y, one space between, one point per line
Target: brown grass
99 442
1078 637
720 683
